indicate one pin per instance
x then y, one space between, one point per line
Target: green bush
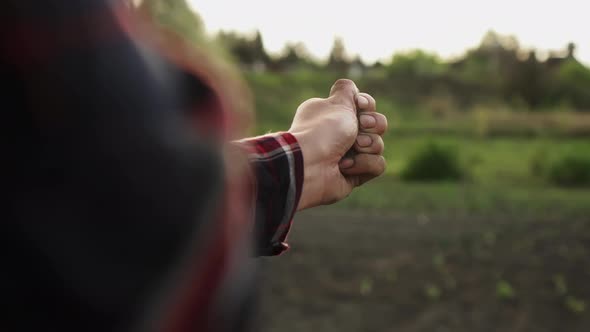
570 171
433 162
504 290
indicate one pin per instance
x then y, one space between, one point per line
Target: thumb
343 92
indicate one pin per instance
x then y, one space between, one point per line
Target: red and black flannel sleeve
277 163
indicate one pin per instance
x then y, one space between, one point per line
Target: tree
293 55
258 51
415 64
574 83
489 72
247 51
415 75
338 60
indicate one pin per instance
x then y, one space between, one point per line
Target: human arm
325 154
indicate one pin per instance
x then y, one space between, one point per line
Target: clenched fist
340 138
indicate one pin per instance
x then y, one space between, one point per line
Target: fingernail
364 140
362 101
346 163
367 121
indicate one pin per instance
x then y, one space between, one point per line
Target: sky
376 29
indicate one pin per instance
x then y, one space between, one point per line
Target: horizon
547 32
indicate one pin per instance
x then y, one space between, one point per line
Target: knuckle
316 100
314 103
343 82
382 120
379 166
369 97
382 165
379 145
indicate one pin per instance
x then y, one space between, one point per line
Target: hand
342 148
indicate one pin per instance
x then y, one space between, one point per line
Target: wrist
313 182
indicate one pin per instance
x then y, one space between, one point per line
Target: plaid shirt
278 169
100 160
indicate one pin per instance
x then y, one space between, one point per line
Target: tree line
497 71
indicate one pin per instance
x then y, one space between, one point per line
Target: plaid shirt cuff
277 163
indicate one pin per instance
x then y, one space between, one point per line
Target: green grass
463 199
490 160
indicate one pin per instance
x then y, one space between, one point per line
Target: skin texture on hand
340 137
